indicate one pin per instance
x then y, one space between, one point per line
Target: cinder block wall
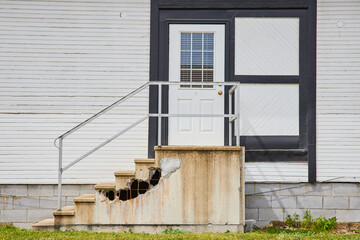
23 205
273 201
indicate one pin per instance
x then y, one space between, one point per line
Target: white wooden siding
60 63
276 172
338 90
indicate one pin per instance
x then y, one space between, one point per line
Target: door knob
220 92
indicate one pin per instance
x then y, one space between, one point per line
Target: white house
297 63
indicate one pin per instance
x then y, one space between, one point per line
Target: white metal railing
233 118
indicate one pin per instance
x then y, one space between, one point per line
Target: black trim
233 4
311 90
154 56
276 156
265 79
164 12
270 142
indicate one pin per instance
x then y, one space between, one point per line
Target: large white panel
266 46
269 109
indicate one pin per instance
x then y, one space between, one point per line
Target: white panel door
196 54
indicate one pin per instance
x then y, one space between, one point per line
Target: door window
197 58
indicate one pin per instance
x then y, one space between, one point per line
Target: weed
321 224
309 223
292 222
307 220
173 231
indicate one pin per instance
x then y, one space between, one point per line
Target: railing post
159 116
230 124
60 171
237 106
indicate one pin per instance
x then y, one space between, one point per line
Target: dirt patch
347 228
341 228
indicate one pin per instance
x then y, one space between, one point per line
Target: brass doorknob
220 92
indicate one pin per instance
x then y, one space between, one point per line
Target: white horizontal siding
338 90
276 172
60 63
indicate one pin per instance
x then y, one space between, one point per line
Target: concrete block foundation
265 202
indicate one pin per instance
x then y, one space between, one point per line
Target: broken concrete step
65 216
122 178
44 225
106 189
106 186
85 198
142 167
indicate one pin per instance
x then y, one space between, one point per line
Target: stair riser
61 220
121 182
142 170
84 213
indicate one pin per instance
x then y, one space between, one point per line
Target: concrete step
44 225
65 216
65 211
106 186
85 198
122 178
142 167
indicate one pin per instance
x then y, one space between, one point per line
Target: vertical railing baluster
230 124
159 112
238 114
60 171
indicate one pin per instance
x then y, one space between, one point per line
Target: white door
196 54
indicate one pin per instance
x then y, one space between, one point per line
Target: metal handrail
108 108
232 119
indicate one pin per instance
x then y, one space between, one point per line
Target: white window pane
197 60
267 46
208 60
269 109
208 41
197 41
185 59
185 41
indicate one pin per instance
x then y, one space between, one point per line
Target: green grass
10 232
